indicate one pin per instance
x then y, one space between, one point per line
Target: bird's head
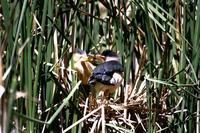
110 55
79 56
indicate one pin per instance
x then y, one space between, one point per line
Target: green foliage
159 47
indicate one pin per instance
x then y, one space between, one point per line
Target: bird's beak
100 57
96 57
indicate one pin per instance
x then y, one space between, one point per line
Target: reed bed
158 44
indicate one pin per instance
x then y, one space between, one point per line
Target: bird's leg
104 98
92 99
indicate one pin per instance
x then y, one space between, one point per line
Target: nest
129 115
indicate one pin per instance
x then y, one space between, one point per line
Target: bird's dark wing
104 72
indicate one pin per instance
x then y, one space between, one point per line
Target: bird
84 64
107 76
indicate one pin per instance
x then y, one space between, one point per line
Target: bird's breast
107 89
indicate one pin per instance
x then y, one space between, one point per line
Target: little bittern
107 76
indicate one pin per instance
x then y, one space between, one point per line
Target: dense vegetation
158 43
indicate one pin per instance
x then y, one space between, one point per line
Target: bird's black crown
79 51
109 53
